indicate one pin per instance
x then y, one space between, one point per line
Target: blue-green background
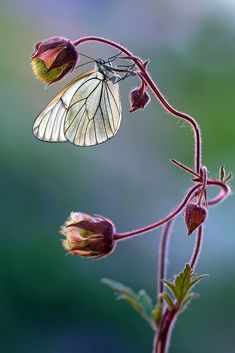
55 303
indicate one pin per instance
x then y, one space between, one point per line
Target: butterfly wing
94 114
49 125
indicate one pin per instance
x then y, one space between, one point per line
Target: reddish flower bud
138 99
88 236
195 215
53 58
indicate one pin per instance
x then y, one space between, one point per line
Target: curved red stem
225 190
197 248
144 73
121 236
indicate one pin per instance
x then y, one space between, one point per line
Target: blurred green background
55 303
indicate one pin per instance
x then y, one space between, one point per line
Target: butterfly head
106 68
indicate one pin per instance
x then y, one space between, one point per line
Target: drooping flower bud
195 215
88 236
138 99
53 58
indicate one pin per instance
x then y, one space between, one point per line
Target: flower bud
53 58
138 99
195 215
88 236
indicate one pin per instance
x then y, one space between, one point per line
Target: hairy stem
197 248
162 338
121 236
162 258
180 115
147 78
225 190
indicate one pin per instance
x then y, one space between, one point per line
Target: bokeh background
55 303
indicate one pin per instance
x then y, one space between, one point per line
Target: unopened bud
195 215
138 99
53 58
88 236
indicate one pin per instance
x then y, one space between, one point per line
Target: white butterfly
86 112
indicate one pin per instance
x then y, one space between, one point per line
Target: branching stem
201 181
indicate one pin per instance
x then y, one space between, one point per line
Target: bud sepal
53 58
88 236
195 215
139 98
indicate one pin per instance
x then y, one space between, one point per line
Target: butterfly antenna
85 56
114 57
88 62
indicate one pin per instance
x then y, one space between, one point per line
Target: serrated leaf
183 282
199 278
187 300
123 292
172 287
145 301
168 300
140 301
157 312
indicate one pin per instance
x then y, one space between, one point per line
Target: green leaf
228 178
168 300
183 283
197 279
172 287
145 302
157 312
222 173
140 301
187 300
